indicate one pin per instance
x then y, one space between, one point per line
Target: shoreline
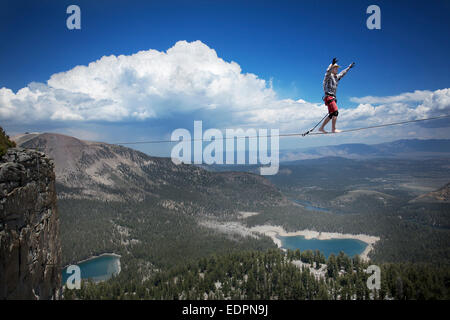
274 231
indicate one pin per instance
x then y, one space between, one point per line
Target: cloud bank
191 79
148 84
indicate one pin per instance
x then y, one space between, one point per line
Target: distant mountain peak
405 148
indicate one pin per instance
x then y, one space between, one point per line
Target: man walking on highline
330 83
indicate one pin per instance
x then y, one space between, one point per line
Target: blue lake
98 268
307 205
350 247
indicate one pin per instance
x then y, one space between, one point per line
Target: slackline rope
291 134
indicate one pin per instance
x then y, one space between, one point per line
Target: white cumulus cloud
148 84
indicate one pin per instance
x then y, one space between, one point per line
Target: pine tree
332 267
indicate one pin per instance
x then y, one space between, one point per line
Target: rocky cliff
30 250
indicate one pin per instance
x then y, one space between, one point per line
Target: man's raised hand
352 65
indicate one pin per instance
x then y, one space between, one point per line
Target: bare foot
336 131
322 130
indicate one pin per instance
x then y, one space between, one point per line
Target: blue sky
287 44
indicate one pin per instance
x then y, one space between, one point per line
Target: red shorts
330 102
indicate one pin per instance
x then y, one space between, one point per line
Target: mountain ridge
404 148
441 195
97 170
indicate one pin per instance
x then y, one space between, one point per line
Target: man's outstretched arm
344 72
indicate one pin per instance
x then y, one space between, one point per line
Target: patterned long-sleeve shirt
331 80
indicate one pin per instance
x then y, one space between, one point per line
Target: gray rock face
30 250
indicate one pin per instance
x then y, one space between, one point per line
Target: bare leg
321 129
333 125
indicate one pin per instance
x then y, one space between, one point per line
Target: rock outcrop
30 250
